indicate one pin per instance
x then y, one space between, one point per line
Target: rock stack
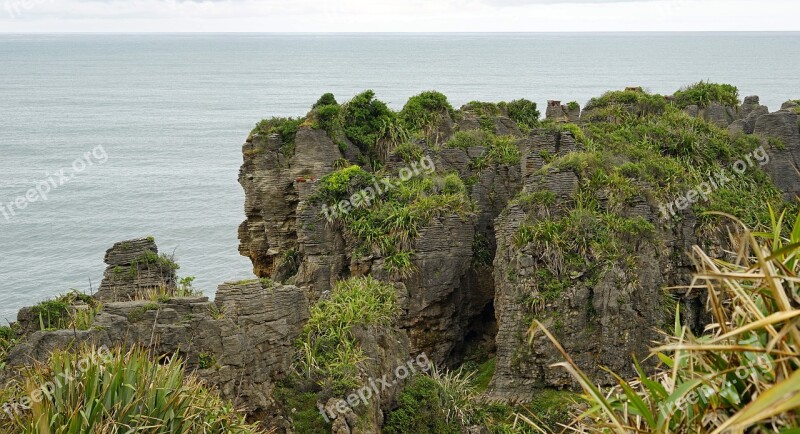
135 268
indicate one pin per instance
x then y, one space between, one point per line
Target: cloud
395 15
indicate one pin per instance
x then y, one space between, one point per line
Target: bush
642 102
524 113
422 110
704 93
422 409
326 99
364 121
467 139
329 352
341 184
110 393
286 128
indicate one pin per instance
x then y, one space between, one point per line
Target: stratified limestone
133 269
781 133
241 343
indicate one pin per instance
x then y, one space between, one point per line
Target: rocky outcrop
135 268
562 113
780 131
242 342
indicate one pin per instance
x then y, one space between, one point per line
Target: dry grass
741 375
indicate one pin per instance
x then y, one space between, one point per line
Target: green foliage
388 225
342 184
524 113
364 121
138 313
8 338
740 375
481 252
329 353
553 408
422 409
109 393
409 152
326 99
303 412
502 150
286 128
163 263
573 105
328 117
423 110
207 361
704 93
72 310
468 139
642 102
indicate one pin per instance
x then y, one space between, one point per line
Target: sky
23 16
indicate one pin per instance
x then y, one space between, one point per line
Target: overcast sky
397 15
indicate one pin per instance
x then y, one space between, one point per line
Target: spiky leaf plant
741 375
114 392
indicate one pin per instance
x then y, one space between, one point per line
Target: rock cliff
449 232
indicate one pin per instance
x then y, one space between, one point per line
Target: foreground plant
110 392
742 375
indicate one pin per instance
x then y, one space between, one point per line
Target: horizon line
410 32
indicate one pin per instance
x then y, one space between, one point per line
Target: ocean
148 128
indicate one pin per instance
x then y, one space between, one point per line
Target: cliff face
475 287
478 222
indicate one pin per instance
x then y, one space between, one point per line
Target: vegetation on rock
329 352
703 93
112 392
741 375
425 109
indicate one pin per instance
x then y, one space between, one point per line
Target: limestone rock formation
134 267
241 342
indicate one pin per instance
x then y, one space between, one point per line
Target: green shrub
111 392
364 121
409 152
326 99
421 409
71 310
341 184
422 110
467 139
329 352
8 338
573 105
643 102
303 412
502 150
524 113
286 128
704 93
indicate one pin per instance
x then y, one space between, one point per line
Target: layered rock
135 268
242 342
